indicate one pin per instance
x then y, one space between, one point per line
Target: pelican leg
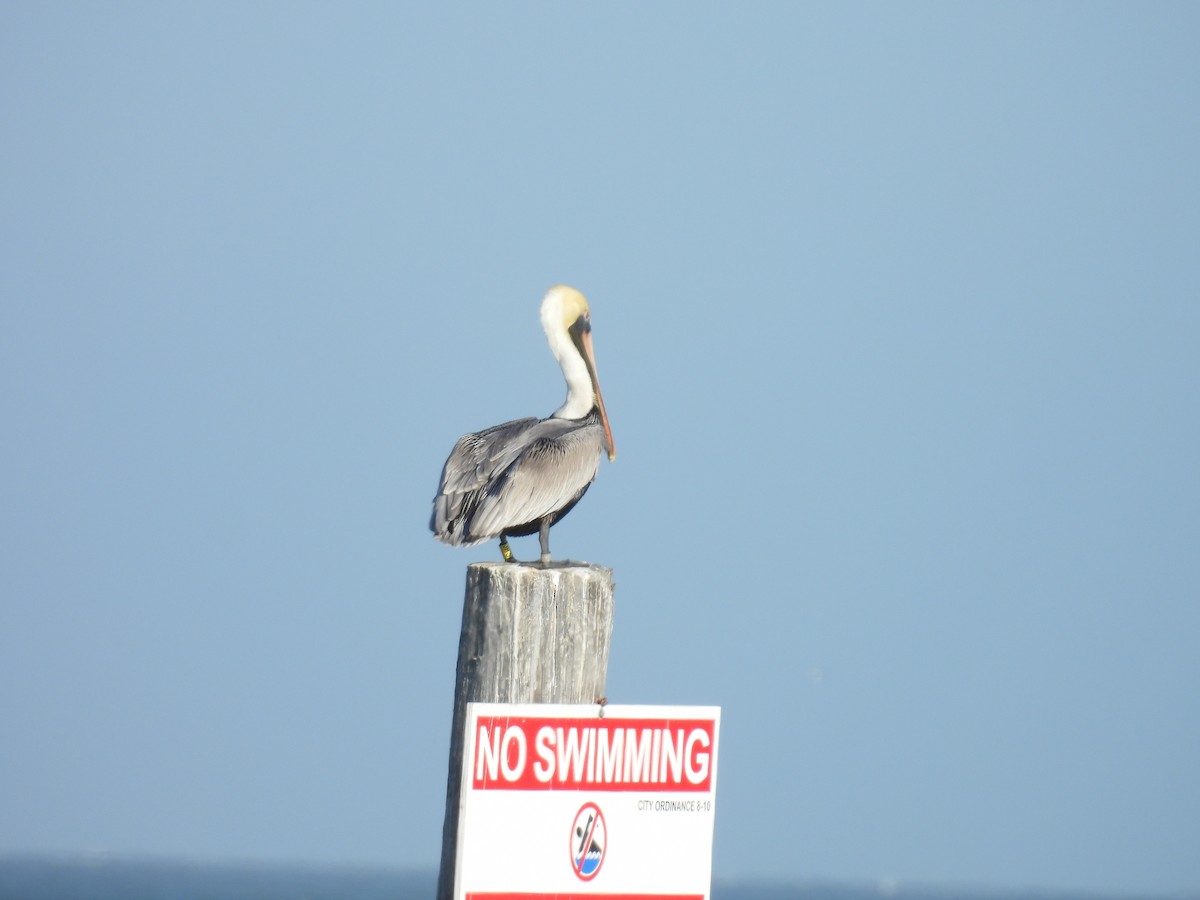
544 540
505 550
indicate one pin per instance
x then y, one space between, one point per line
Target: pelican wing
513 474
475 461
476 458
552 472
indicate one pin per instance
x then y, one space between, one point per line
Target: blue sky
895 311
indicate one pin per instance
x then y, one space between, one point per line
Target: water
104 878
31 878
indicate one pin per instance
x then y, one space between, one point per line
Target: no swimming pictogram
589 839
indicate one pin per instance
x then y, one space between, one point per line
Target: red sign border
558 895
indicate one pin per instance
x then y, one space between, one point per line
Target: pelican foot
552 563
556 563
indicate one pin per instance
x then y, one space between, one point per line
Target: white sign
588 802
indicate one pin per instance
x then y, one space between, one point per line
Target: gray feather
514 474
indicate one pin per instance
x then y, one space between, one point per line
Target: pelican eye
581 325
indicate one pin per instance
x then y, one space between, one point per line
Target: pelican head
566 320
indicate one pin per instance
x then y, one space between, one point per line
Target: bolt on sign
587 802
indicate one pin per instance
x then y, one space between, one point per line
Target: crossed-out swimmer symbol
588 840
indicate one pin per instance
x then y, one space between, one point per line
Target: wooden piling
529 635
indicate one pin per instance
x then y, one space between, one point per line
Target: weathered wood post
529 635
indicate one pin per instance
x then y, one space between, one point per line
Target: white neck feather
580 397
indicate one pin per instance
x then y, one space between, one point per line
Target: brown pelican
523 476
